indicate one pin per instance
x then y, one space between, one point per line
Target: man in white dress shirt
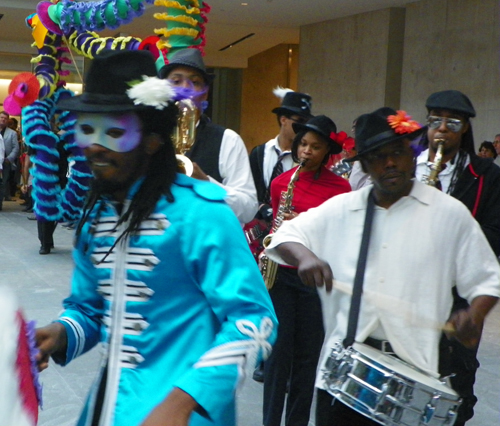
218 154
295 108
422 243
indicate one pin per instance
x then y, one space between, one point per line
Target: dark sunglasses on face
299 120
452 124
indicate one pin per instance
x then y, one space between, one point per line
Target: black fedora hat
452 100
188 57
381 127
295 103
325 127
109 77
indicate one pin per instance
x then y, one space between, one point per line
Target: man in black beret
475 182
400 246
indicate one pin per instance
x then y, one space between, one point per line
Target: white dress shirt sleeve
237 179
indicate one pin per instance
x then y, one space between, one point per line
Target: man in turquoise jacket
163 275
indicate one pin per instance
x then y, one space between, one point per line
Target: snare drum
387 389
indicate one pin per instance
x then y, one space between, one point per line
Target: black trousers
461 362
330 412
296 352
456 359
5 184
46 233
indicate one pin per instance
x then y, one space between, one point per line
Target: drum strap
357 290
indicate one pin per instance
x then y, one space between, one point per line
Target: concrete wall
274 67
344 64
455 47
397 57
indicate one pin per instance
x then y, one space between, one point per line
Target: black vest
206 148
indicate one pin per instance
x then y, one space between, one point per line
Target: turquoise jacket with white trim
181 303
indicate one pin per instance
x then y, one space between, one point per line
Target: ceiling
272 21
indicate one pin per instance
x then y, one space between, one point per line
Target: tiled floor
41 282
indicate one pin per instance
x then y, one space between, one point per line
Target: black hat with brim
109 77
295 103
373 131
325 127
186 58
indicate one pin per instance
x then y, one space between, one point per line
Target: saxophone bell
184 164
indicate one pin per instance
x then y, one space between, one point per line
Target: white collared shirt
271 151
237 179
420 247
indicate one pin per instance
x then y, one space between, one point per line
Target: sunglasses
299 120
453 124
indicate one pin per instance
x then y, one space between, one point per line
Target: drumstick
396 307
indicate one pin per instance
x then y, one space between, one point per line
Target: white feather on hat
280 92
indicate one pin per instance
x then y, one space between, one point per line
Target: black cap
186 58
452 100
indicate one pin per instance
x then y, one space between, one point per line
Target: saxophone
435 166
269 268
184 134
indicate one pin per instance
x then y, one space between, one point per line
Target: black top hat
374 131
325 127
452 100
108 80
295 103
186 58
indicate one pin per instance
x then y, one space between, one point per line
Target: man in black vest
218 154
295 108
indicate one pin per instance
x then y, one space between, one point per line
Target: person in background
11 146
357 177
298 308
343 167
174 296
496 144
2 156
474 181
15 181
487 150
218 154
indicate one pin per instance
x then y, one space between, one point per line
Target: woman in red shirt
300 335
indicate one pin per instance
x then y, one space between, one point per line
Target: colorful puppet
60 25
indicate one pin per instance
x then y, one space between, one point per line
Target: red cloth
308 192
23 364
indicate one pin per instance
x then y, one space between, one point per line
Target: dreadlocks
157 181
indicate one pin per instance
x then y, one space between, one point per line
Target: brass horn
184 134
